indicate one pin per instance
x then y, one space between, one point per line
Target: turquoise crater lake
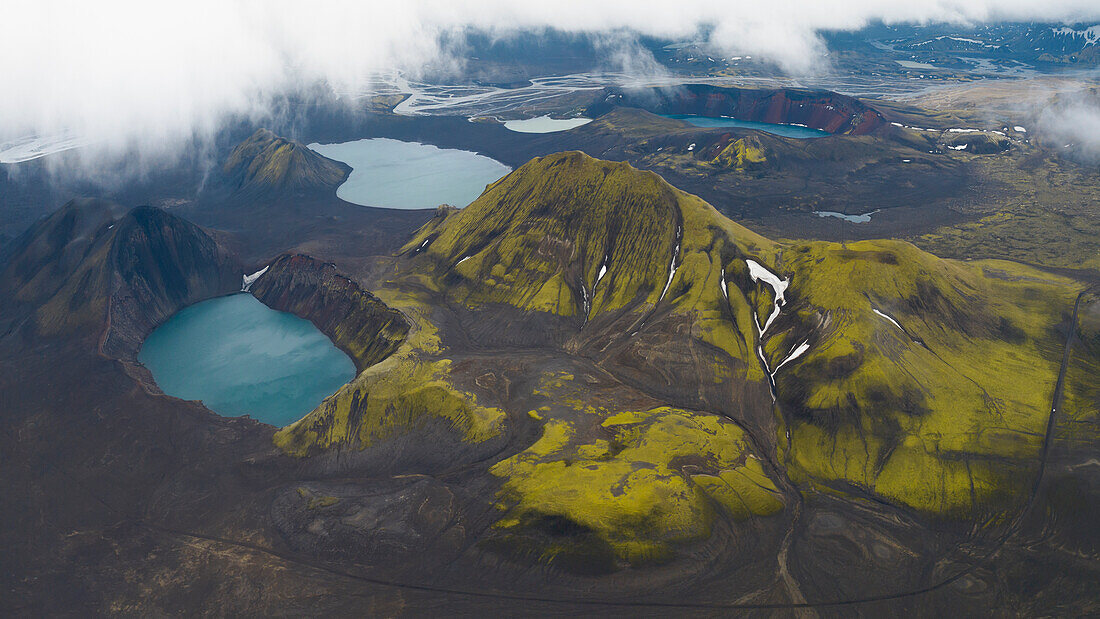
241 357
410 175
787 131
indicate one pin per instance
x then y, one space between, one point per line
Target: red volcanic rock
819 109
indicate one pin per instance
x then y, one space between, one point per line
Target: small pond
861 218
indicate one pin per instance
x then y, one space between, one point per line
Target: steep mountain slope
47 253
92 263
870 369
353 318
545 240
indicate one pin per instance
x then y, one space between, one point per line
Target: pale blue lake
545 124
855 219
241 357
787 131
410 175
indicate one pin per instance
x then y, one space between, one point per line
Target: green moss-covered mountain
695 372
586 388
266 163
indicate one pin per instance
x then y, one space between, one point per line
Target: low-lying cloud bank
154 75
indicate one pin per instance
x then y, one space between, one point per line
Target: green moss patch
653 482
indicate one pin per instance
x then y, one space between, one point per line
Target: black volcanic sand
119 499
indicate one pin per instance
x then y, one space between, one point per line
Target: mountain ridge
266 163
127 270
760 318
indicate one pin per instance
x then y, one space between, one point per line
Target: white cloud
1072 125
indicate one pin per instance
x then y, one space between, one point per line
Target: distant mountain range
1033 43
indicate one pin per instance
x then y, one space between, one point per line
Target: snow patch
887 317
1090 34
794 354
672 265
759 273
248 280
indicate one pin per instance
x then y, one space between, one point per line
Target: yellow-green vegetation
925 382
381 104
1031 234
368 341
713 251
626 122
741 154
942 413
315 501
1038 210
405 392
648 480
322 501
539 239
389 399
1080 412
